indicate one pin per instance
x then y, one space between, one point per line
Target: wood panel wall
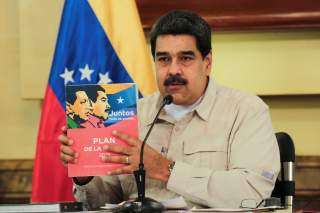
16 175
239 14
15 181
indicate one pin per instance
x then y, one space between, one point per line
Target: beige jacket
225 151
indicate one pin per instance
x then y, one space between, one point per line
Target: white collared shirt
178 111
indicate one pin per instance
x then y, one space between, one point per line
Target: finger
121 171
64 130
116 159
68 151
65 140
67 158
117 149
127 138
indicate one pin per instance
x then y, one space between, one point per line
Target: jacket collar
205 106
203 109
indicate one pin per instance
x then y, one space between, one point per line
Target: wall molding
307 173
239 14
16 179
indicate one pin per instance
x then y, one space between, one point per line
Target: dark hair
92 91
179 22
71 93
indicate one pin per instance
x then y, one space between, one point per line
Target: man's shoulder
148 103
240 98
150 99
146 108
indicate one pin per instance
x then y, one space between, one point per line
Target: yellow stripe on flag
121 22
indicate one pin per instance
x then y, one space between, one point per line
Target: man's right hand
68 155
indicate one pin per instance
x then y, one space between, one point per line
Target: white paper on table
175 203
236 209
221 210
110 206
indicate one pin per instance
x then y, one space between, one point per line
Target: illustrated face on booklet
92 113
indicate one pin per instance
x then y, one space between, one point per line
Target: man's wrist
162 172
170 167
168 170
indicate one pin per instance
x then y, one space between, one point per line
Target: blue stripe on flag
82 42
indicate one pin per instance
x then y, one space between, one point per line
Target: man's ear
208 62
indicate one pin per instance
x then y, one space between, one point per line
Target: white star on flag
86 73
67 76
104 78
120 100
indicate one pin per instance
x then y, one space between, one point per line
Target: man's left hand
155 164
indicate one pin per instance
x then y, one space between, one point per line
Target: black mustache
174 79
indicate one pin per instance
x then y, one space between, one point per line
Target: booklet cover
92 113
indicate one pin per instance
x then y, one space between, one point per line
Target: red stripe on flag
50 182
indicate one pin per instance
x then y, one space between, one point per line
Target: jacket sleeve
98 192
251 170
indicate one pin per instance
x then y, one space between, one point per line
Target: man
78 106
101 107
214 145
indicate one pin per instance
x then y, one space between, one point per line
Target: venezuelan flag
98 42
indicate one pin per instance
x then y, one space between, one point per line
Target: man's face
82 105
101 106
181 70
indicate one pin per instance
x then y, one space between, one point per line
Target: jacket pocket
206 153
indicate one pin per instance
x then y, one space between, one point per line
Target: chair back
285 184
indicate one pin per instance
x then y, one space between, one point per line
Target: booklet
92 113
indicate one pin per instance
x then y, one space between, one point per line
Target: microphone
143 204
166 101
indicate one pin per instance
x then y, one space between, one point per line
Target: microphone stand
143 204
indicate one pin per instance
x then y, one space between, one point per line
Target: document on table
265 208
180 204
221 210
